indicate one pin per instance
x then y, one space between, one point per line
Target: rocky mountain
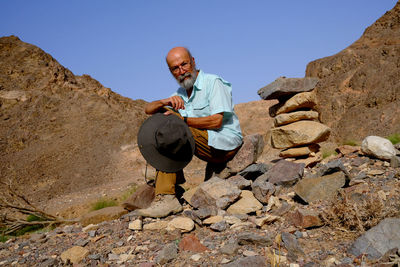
60 133
359 89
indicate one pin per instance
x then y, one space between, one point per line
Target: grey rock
92 233
331 167
324 187
113 257
49 262
167 254
253 261
395 162
253 239
254 170
361 175
81 242
378 147
119 243
285 173
205 212
94 256
219 226
230 248
285 87
292 245
378 240
239 181
262 189
298 234
192 215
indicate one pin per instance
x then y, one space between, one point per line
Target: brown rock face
359 88
59 133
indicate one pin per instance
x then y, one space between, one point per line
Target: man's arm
209 122
176 102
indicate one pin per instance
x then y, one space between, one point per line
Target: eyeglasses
185 66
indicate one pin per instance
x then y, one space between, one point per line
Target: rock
262 189
232 219
299 151
254 170
310 161
75 254
230 248
195 257
140 199
299 133
267 219
81 242
246 204
212 190
331 167
378 147
136 225
305 218
106 214
395 162
167 254
254 261
285 173
213 219
189 194
205 212
249 238
239 181
191 243
249 253
324 187
296 102
346 149
121 250
291 117
182 223
159 225
378 240
219 226
113 257
284 87
252 147
292 245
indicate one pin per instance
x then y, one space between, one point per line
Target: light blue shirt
211 95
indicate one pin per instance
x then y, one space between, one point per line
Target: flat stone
232 219
285 173
191 243
252 147
192 215
239 181
378 147
311 160
195 257
299 133
262 189
254 170
159 225
106 214
291 117
219 226
75 254
254 261
305 218
346 149
249 238
296 102
189 194
246 204
395 162
213 219
212 190
378 240
284 87
136 225
324 187
299 151
332 167
182 223
292 245
230 248
167 254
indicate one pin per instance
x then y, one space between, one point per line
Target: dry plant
14 207
360 215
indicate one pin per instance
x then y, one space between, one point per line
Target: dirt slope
359 91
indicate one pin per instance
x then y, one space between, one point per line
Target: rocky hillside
60 133
359 89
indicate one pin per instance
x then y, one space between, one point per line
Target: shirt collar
198 84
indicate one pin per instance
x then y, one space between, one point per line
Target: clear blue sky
123 44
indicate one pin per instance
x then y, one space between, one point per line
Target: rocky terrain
66 141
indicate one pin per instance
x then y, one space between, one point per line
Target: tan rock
305 218
188 194
106 214
75 254
213 219
310 161
299 133
182 223
299 151
287 118
156 225
136 225
301 100
246 204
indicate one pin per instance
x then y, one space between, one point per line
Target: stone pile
297 128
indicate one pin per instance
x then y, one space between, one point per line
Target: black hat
166 142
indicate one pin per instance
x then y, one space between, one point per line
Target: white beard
188 82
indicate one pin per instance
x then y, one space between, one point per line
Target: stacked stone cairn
297 127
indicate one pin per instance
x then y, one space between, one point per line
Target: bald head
178 53
182 66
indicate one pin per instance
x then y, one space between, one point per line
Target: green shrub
104 203
350 143
3 238
33 218
394 138
328 153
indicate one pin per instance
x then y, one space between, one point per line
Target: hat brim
147 144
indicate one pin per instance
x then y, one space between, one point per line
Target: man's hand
176 102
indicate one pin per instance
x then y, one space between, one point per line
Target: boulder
378 240
324 187
262 189
299 151
284 87
285 173
300 101
299 133
378 147
106 214
246 204
287 118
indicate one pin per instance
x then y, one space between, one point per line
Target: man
204 102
